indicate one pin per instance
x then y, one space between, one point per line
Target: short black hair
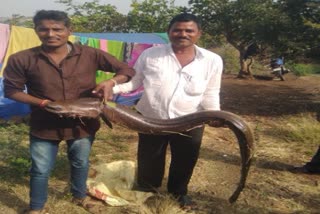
55 15
185 17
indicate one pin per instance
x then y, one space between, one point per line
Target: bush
304 69
230 58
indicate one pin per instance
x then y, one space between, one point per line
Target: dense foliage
255 28
152 15
276 28
95 17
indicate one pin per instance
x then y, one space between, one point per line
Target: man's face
52 33
184 34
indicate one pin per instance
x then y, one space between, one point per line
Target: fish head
83 107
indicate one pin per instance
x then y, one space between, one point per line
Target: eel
124 116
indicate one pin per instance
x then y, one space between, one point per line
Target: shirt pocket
195 87
85 78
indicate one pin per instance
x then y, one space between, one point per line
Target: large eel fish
126 117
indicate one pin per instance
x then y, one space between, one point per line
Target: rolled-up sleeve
135 82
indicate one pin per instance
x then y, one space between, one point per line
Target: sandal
44 210
90 204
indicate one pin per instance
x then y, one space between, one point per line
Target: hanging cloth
4 39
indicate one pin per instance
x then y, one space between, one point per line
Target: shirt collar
199 53
76 49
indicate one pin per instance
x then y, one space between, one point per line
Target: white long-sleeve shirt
171 90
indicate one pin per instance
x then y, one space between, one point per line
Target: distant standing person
59 70
178 79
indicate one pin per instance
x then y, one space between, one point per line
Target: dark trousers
314 164
184 155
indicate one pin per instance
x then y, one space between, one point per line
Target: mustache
182 37
51 37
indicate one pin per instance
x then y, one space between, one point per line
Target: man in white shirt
178 79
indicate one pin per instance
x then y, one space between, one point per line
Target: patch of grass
117 138
303 130
12 132
20 165
113 144
304 69
270 189
230 58
160 204
14 158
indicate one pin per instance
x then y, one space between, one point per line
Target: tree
151 15
301 35
312 18
244 23
94 17
19 20
312 13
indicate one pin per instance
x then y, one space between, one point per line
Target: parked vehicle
278 68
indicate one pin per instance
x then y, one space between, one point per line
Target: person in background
59 70
311 167
178 79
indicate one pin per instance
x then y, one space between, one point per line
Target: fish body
126 117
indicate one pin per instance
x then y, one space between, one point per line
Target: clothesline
14 39
20 38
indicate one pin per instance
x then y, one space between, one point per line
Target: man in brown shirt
59 70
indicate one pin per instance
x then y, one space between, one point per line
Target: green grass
230 58
301 131
304 69
14 151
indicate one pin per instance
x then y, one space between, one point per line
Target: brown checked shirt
73 78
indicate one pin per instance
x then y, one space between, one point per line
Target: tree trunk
247 53
246 67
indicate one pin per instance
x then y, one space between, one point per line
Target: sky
29 7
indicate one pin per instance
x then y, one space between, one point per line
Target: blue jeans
43 156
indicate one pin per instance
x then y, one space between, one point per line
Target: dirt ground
271 187
271 98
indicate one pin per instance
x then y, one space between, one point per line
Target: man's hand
44 103
104 89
